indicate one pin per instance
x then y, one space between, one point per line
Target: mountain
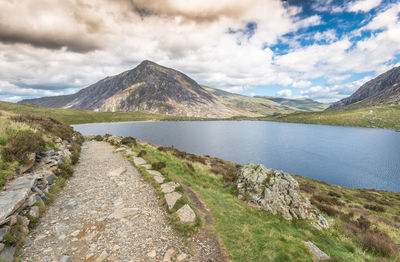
266 105
152 88
382 90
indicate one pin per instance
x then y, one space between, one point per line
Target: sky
318 49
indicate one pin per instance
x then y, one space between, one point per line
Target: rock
139 161
22 221
146 166
29 163
75 233
7 254
152 254
32 200
169 255
159 179
117 172
275 191
186 214
58 140
119 150
34 212
169 187
317 253
11 200
124 212
171 199
181 257
65 259
322 221
2 246
13 220
102 257
154 172
3 231
50 178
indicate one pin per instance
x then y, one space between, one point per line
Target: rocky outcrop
277 192
17 201
318 254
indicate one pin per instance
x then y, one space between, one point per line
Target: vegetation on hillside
73 116
364 224
21 135
380 117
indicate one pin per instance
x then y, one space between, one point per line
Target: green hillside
73 116
381 117
264 105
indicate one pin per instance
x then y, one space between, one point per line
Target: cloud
285 93
363 5
301 84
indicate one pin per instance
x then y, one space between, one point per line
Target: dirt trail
103 215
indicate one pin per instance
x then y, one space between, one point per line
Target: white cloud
363 5
301 84
285 93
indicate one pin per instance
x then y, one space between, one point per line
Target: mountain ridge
382 90
153 88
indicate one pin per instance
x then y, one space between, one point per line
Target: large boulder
273 190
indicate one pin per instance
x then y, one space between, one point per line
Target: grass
73 116
249 234
381 117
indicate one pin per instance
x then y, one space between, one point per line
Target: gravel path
103 215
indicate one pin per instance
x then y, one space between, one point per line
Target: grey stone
139 161
186 214
29 163
169 187
3 231
317 253
146 166
65 259
7 254
121 149
32 199
117 172
322 221
10 201
154 172
159 179
171 199
275 191
34 211
50 178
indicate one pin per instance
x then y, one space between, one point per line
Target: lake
345 156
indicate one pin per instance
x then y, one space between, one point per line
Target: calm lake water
346 156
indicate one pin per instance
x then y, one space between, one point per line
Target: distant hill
382 90
152 88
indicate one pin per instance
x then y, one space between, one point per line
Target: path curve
99 215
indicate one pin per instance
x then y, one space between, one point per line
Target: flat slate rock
317 253
154 172
171 199
139 161
146 166
15 195
186 214
7 254
169 187
159 179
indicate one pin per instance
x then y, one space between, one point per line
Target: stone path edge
189 228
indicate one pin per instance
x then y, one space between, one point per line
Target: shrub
3 140
308 188
98 138
64 171
21 144
49 125
142 153
129 141
190 166
330 211
363 223
158 165
380 243
334 194
375 208
326 199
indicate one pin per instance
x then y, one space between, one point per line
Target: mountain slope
382 90
152 88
